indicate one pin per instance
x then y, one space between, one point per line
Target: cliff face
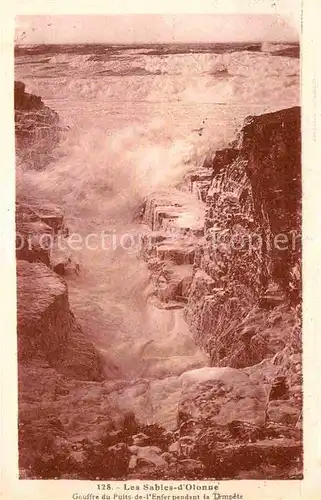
236 271
63 392
272 147
47 329
232 261
36 128
248 262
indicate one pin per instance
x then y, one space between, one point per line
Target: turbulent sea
137 120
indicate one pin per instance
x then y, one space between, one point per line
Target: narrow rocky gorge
224 248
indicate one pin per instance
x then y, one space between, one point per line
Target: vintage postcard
155 195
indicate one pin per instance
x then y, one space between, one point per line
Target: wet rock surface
37 128
240 417
41 236
46 327
229 418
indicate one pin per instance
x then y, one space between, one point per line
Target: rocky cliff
247 265
233 262
224 248
37 128
73 412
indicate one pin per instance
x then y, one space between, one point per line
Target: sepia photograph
158 247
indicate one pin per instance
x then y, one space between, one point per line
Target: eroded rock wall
46 327
37 128
241 294
211 251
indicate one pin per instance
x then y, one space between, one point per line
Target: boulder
189 468
33 242
40 237
52 216
218 396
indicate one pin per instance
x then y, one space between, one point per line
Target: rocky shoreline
239 418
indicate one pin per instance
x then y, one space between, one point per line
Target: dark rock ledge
37 129
75 419
240 418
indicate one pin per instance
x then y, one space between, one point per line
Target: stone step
172 304
51 216
165 214
178 252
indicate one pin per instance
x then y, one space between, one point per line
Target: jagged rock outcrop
248 264
37 128
245 423
210 254
241 293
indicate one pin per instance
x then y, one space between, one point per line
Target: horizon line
296 42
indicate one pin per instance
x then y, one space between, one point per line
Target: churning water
137 120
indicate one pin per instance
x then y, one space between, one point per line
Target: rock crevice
37 129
